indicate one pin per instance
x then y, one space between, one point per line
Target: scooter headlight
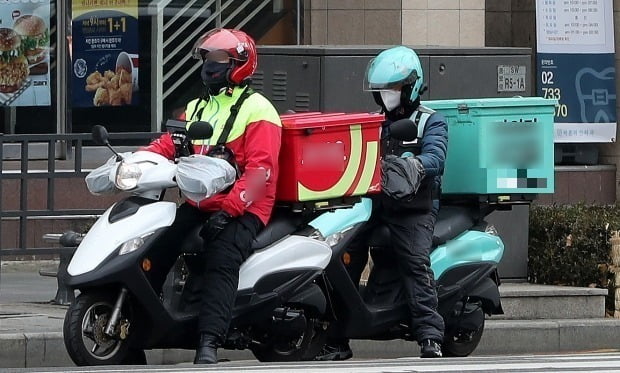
127 176
333 239
133 244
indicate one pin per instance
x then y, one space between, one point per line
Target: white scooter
118 314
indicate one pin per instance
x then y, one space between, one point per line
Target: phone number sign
576 66
585 87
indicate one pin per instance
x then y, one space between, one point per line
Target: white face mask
390 98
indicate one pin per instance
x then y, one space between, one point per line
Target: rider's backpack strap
420 117
234 110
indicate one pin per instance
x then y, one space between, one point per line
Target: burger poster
24 53
105 53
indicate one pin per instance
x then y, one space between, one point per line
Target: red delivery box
329 155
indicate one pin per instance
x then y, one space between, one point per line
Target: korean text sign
575 59
105 53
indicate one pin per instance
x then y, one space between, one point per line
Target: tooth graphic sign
575 65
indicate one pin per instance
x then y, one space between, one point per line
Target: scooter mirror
100 135
200 130
404 130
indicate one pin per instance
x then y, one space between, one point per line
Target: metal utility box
330 77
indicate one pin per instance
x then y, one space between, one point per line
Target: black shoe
430 349
335 352
206 353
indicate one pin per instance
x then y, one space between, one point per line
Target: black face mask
213 76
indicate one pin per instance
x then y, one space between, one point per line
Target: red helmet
239 46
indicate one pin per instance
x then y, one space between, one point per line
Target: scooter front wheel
84 336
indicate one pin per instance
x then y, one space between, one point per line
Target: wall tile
608 187
471 32
443 4
442 29
382 4
415 4
498 5
415 29
524 5
345 27
315 4
498 29
524 29
382 27
345 4
318 27
472 4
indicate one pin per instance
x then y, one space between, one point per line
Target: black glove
214 225
401 177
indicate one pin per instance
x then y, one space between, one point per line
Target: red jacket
254 139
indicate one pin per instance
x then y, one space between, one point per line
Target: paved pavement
17 285
591 362
31 331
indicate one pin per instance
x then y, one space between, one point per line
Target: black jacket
430 150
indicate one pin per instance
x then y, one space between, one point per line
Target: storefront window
28 66
123 63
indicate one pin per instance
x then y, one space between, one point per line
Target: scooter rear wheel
84 336
459 342
305 347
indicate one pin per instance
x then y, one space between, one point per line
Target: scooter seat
282 223
451 221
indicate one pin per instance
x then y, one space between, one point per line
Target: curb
501 337
11 266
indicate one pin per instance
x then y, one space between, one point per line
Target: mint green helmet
393 68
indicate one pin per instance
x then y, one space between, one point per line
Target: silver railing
177 24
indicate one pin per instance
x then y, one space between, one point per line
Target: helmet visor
218 40
381 76
218 56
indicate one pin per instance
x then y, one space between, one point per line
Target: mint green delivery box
498 146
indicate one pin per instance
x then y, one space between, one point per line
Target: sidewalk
31 329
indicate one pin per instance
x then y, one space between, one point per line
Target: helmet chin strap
403 111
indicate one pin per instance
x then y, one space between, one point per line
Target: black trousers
412 237
222 258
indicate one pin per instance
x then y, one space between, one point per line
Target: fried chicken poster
105 53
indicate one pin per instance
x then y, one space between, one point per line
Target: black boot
430 349
206 353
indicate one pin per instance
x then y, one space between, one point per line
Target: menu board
24 53
576 65
105 53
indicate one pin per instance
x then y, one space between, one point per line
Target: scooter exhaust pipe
288 322
109 329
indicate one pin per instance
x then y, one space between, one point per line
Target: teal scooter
465 254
